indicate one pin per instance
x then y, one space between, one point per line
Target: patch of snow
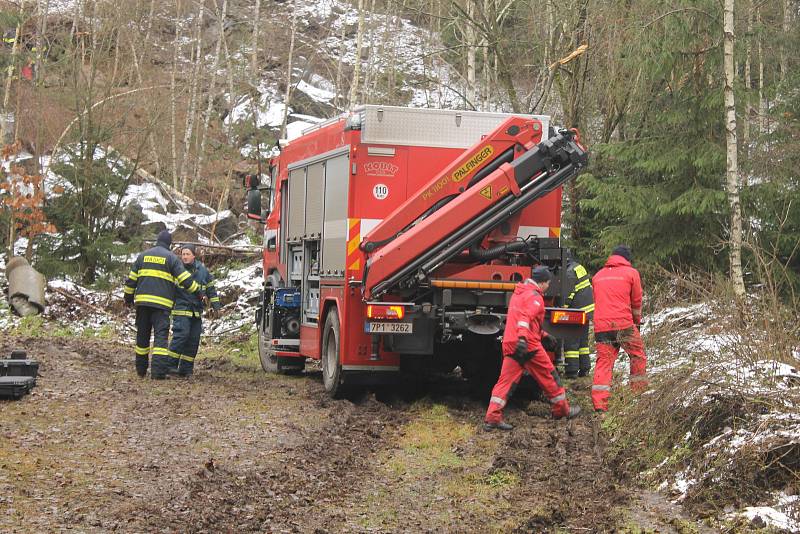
782 515
315 93
295 129
682 485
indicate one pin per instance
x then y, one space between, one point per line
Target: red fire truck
394 238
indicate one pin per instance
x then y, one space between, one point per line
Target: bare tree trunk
191 114
337 102
6 135
231 89
288 99
211 88
470 36
733 181
787 21
256 28
762 107
370 57
748 78
173 86
352 100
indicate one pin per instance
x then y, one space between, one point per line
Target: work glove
549 343
521 353
128 301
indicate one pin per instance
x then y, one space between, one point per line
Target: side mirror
254 205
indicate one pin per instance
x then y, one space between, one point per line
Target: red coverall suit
525 317
617 313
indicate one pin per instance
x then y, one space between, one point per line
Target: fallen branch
240 249
91 306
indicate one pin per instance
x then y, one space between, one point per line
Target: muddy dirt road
96 449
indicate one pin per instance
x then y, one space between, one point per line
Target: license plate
389 328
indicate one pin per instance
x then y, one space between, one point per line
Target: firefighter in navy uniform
579 296
151 287
187 322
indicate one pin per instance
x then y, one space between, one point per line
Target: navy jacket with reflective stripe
153 278
186 301
579 287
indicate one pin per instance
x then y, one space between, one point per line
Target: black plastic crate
19 368
18 355
14 387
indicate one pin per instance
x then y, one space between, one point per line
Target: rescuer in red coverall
523 351
617 315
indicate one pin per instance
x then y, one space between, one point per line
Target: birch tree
287 101
221 16
353 99
176 60
194 82
733 181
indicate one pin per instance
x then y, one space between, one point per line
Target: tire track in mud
284 494
175 456
282 457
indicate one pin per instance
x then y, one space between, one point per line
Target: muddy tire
331 357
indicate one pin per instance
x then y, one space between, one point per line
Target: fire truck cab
394 238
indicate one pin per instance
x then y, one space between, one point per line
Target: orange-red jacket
617 295
525 317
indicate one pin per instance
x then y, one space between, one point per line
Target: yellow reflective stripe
133 275
185 313
584 350
142 351
155 273
154 300
582 285
588 308
214 299
183 276
160 351
128 290
580 271
571 354
186 358
193 288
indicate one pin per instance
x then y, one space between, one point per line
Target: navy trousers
186 333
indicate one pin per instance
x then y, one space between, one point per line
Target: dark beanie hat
541 274
622 250
189 246
164 238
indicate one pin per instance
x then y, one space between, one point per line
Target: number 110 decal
380 191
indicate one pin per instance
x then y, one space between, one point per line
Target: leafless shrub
719 426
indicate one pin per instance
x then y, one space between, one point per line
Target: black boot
502 425
573 411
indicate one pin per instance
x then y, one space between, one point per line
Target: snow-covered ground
104 313
721 369
395 45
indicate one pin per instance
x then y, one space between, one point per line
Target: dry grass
718 418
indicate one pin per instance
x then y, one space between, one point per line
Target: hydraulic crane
472 213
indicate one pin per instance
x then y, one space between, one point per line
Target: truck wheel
331 361
269 362
266 352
